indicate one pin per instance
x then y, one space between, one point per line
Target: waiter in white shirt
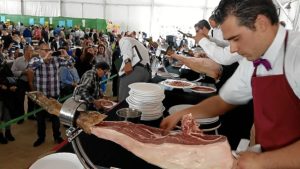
135 66
216 32
214 48
269 74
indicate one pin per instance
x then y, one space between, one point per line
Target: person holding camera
44 77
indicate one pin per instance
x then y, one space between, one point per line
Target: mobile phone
56 53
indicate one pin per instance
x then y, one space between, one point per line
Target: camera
56 53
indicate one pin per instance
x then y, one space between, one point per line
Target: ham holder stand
73 114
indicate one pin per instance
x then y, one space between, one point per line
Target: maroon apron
276 110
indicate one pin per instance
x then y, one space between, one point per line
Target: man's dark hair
102 65
213 17
246 11
203 23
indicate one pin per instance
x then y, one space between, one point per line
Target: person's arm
218 54
127 54
201 65
211 107
286 157
86 83
15 71
64 76
221 43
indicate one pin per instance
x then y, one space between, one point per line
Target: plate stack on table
147 98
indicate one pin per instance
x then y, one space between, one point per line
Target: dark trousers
41 124
23 87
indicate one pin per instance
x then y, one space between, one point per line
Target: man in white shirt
269 74
135 66
216 32
20 70
214 48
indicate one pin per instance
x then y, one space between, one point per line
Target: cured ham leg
188 148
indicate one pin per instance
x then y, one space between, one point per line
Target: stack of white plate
147 98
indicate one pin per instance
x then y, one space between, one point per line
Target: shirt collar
276 45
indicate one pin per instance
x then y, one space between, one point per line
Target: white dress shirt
217 37
218 54
237 90
126 47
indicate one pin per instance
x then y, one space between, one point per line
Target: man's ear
262 23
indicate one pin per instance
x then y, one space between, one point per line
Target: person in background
129 73
216 32
45 34
27 35
20 70
101 55
85 61
116 57
56 43
45 71
7 92
269 74
89 88
69 79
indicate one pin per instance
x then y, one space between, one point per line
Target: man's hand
3 87
170 122
48 57
128 68
25 72
248 160
13 88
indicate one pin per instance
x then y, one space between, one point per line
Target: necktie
264 62
212 33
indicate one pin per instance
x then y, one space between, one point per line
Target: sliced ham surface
186 149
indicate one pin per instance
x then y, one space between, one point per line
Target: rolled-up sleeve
218 54
126 49
237 90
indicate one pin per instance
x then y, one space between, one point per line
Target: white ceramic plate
179 107
145 87
203 89
167 75
187 84
58 161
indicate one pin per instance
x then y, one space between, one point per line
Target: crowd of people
54 61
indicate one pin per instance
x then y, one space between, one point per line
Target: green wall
99 24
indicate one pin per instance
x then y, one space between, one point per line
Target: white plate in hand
204 89
178 84
58 161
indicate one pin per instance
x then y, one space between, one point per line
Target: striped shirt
46 77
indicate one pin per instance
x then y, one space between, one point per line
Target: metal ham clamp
72 113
